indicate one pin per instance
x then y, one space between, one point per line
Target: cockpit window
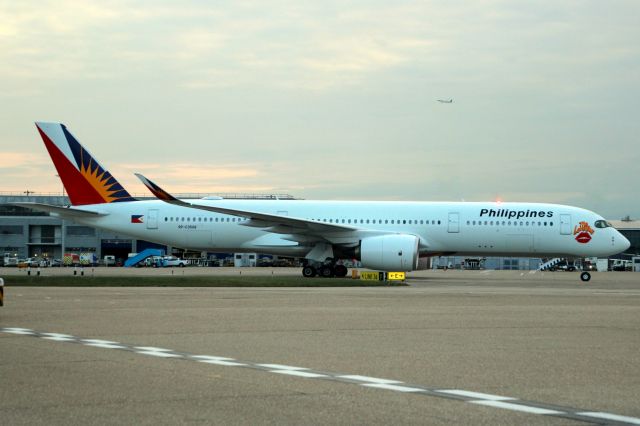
602 224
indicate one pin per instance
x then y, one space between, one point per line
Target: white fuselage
483 228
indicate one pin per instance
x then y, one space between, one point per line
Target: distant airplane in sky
387 236
445 101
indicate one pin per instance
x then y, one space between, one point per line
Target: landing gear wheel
308 272
340 271
585 276
326 271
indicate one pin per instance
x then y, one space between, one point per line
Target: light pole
62 184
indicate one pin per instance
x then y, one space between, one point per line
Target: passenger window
438 222
550 223
386 221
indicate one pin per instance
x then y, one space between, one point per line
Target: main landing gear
326 270
585 276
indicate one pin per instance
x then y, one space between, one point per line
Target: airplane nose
622 242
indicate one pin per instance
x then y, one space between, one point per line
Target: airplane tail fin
85 180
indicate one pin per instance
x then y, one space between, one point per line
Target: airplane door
565 224
454 222
152 219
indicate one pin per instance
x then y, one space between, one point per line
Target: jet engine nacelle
390 252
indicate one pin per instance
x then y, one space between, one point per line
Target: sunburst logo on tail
101 181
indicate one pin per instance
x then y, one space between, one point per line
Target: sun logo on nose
583 232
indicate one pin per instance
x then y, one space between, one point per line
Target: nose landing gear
585 276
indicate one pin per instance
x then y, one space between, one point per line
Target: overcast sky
333 100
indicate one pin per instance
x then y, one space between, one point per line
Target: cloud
14 159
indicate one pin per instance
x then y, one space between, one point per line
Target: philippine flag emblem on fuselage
137 218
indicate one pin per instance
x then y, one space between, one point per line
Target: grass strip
189 281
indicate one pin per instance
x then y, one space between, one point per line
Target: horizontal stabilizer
65 212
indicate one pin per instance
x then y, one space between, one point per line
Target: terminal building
26 233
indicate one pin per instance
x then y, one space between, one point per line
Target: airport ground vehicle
621 265
388 236
564 266
169 261
33 262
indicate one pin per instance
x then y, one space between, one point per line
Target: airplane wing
273 223
66 212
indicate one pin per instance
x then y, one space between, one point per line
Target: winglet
160 193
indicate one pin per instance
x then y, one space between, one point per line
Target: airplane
382 235
445 101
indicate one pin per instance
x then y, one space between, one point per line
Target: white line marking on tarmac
220 362
19 331
369 379
299 373
211 358
281 367
478 398
152 349
476 395
392 387
609 416
60 339
159 354
517 407
105 345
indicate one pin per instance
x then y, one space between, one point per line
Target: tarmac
461 347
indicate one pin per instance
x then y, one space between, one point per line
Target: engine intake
390 252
